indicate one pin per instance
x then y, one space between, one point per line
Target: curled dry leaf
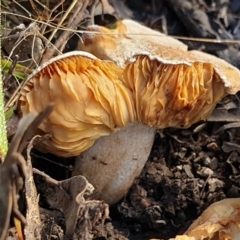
10 176
220 221
81 214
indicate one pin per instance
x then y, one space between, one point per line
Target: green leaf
20 72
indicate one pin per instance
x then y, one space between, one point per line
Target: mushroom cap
172 87
89 97
159 83
229 75
128 39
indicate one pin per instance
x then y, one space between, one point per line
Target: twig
24 9
92 10
50 16
66 34
63 19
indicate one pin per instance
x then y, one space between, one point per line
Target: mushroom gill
172 95
89 97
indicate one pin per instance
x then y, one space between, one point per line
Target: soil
188 169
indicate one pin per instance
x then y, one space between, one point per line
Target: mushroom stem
113 162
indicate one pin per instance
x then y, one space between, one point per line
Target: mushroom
107 114
178 91
131 40
150 58
171 87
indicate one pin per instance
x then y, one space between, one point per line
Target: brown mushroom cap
90 101
228 74
160 86
220 221
94 98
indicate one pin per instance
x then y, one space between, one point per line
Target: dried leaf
10 177
223 115
229 147
73 205
34 227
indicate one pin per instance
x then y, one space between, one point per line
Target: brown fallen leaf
223 115
34 227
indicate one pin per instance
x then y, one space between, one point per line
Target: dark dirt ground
188 169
